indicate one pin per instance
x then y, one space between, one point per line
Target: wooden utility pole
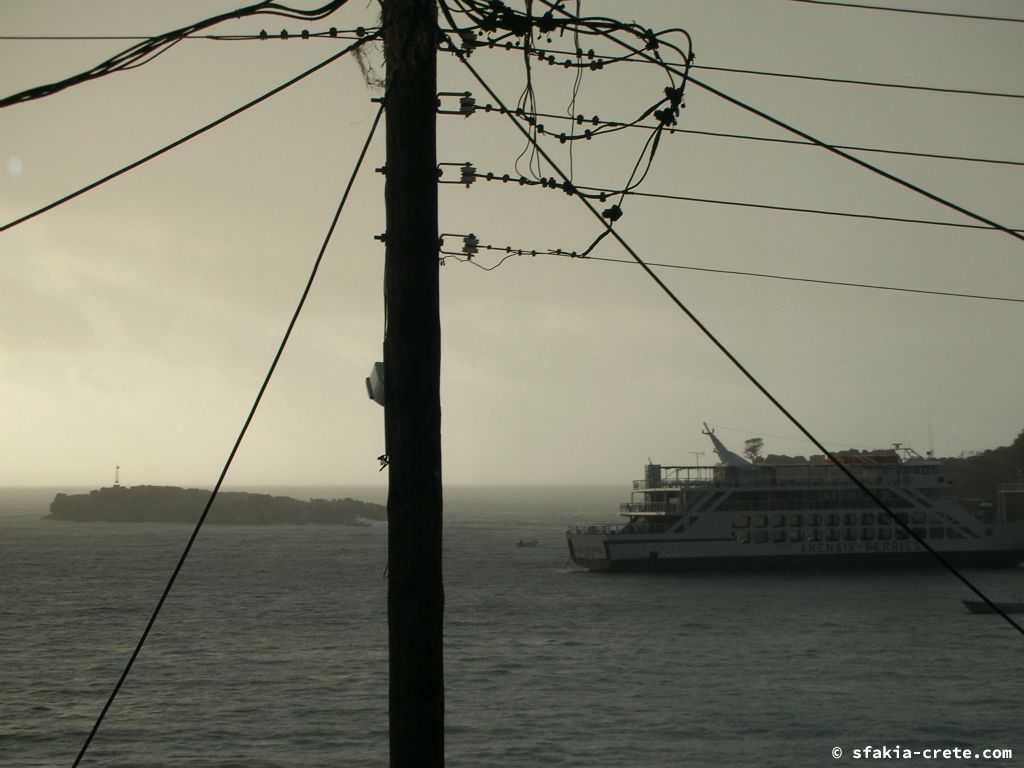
412 369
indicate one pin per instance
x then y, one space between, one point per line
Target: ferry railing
603 529
657 507
786 475
746 478
641 485
1013 511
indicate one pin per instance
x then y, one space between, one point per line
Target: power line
595 120
871 83
509 252
802 134
150 48
861 6
332 34
186 137
237 444
903 152
856 160
592 56
603 194
794 209
732 358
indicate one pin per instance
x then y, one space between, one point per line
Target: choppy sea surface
272 649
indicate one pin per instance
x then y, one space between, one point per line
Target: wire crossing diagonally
237 444
189 136
609 229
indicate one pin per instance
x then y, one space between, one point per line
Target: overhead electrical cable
508 252
305 34
238 441
806 136
857 161
594 57
608 225
147 50
794 209
186 137
879 150
871 83
602 194
597 121
919 11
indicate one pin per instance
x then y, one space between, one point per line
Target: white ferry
741 514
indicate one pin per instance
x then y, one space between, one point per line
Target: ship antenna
117 475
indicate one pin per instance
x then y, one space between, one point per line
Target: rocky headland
170 504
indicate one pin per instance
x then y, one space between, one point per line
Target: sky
137 321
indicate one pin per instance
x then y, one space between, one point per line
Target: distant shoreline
172 504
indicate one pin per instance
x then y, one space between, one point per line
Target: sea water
272 649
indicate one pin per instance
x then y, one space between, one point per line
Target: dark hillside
170 504
979 476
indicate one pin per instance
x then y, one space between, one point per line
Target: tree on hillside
752 448
980 475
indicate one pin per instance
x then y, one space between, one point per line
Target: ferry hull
601 553
802 563
799 515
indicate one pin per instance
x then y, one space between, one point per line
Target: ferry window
867 534
868 518
814 519
902 517
760 537
761 521
849 534
832 534
743 537
953 533
920 531
796 520
743 521
919 517
900 534
883 518
796 535
778 520
936 533
884 534
833 519
778 536
814 534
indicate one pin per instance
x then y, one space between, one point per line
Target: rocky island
170 504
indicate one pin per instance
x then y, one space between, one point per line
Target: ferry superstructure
741 514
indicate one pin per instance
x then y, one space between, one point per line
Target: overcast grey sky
136 322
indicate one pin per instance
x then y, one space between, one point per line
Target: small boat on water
980 606
527 543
